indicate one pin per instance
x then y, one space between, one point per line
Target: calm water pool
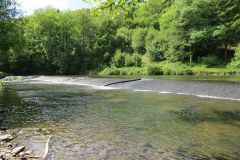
86 123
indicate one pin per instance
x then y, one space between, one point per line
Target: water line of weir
216 90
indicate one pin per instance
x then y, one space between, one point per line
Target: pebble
21 154
9 145
28 152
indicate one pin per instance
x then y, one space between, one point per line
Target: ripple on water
107 124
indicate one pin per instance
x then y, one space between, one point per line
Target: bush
211 60
128 61
136 60
166 68
119 59
138 40
123 71
236 60
155 46
122 59
154 70
176 69
203 70
234 64
110 71
133 60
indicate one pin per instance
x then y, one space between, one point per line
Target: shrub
132 60
110 71
128 61
155 46
119 59
236 60
136 60
123 71
176 69
154 70
234 64
211 60
138 40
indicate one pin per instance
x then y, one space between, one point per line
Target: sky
28 6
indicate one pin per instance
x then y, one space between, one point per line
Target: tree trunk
191 55
190 58
225 51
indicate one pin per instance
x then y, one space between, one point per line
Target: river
96 122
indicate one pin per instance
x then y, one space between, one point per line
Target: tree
138 40
74 42
124 39
155 46
227 27
10 30
8 10
115 6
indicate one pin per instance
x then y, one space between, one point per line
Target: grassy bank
170 69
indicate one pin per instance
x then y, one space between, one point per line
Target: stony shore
10 149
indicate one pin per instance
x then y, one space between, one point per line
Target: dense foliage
160 32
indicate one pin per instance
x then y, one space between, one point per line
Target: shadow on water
14 112
25 105
184 154
194 115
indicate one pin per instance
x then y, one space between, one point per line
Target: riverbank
12 149
170 69
3 75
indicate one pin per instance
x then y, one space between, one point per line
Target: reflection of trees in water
194 115
22 105
183 153
13 111
2 115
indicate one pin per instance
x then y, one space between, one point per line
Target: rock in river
5 137
17 150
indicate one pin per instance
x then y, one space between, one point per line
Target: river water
89 123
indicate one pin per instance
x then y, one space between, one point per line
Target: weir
221 90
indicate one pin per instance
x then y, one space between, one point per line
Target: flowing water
88 123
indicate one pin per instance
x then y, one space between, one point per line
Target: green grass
202 70
165 68
124 71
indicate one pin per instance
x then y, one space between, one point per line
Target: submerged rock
9 145
146 147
